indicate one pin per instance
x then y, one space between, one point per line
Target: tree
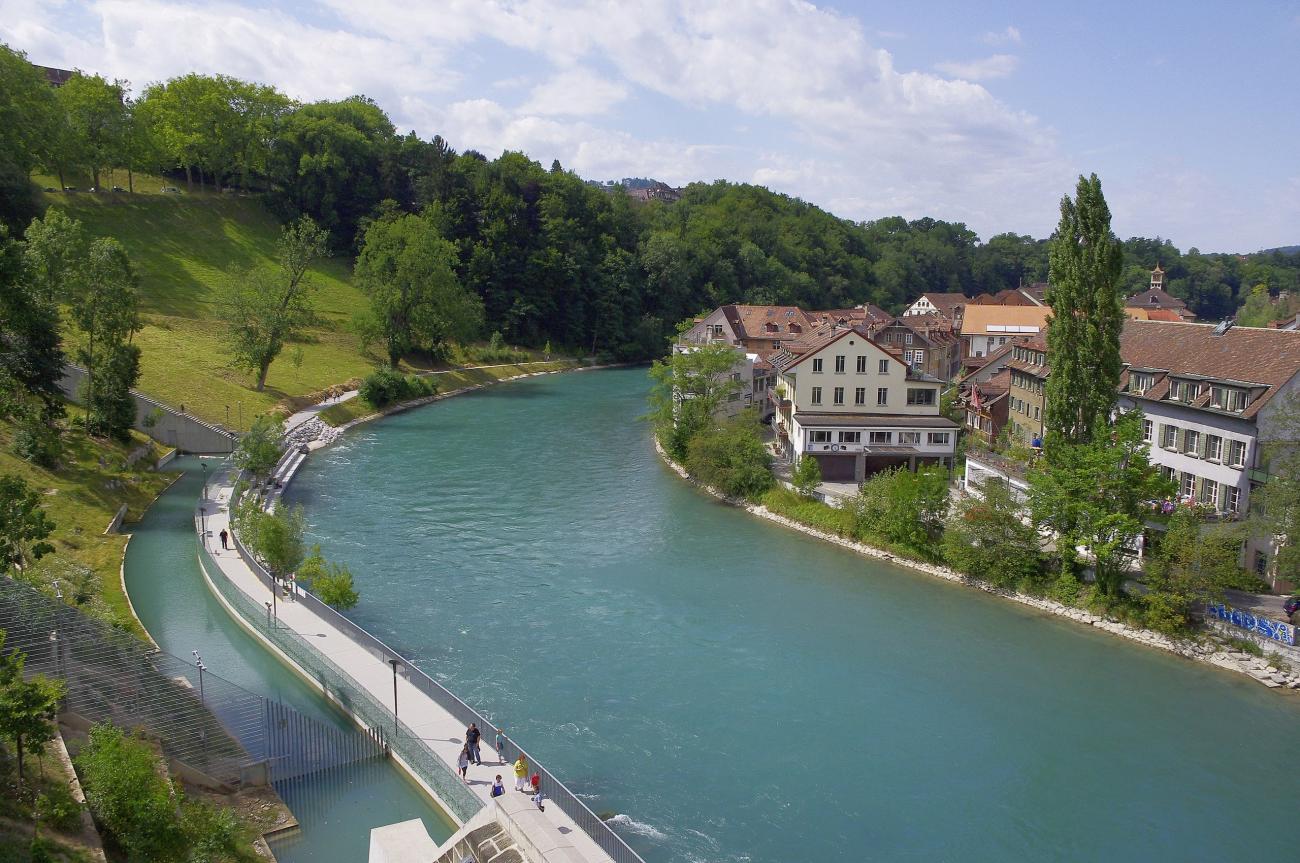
1275 505
329 581
276 537
27 707
31 354
732 458
985 537
266 309
689 389
97 123
106 316
1087 317
406 269
904 507
259 448
28 119
128 792
1189 569
1094 496
54 257
807 476
24 526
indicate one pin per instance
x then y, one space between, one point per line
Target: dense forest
551 257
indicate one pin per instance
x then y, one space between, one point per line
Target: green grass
81 497
183 247
448 380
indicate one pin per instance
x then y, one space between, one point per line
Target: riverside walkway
552 835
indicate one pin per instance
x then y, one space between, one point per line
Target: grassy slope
81 498
183 246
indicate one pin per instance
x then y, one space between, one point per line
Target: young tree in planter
985 538
1095 497
23 526
27 707
278 539
265 309
689 388
259 449
331 582
807 476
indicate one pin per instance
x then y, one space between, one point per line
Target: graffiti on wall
1272 629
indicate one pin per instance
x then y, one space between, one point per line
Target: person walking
224 539
462 763
472 735
501 745
521 773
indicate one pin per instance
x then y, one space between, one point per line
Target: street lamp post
204 465
393 662
198 662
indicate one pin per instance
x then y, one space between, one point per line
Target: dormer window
1237 400
1139 382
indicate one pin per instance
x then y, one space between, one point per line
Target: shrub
812 513
37 441
130 797
985 538
58 808
807 476
903 508
386 387
731 458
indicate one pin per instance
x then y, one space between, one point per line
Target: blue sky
983 113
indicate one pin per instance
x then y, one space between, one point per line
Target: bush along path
1242 656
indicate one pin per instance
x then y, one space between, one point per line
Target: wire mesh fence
197 717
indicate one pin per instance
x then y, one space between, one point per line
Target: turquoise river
724 688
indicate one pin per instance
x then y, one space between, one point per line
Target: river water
739 692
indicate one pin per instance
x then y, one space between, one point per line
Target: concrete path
426 719
302 416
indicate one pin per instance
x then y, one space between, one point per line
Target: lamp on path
393 662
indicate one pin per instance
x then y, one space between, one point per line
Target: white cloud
1009 36
996 66
577 92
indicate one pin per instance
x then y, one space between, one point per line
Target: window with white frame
1168 436
882 367
819 436
1192 443
909 437
882 395
939 438
1237 400
839 395
839 364
1209 493
1140 382
972 419
860 396
1213 447
920 395
851 437
1148 430
862 365
817 365
1188 485
1218 397
816 395
1237 453
1232 500
881 437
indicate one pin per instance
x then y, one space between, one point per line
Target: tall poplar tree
1087 315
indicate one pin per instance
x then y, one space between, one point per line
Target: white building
857 408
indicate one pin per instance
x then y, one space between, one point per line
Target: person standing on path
501 745
521 773
462 763
224 539
472 735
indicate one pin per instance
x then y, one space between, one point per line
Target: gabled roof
1155 298
767 322
1002 320
946 303
1266 358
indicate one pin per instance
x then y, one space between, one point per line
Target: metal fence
412 749
199 718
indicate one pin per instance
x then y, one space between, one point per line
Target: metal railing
409 746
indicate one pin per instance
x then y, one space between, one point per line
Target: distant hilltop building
656 192
1155 297
55 77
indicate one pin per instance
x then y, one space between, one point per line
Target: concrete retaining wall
173 428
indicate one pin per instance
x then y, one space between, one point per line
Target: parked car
118 189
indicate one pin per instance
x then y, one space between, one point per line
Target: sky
980 113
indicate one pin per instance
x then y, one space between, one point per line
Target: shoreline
1235 661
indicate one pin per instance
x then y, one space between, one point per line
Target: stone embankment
1273 672
315 431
